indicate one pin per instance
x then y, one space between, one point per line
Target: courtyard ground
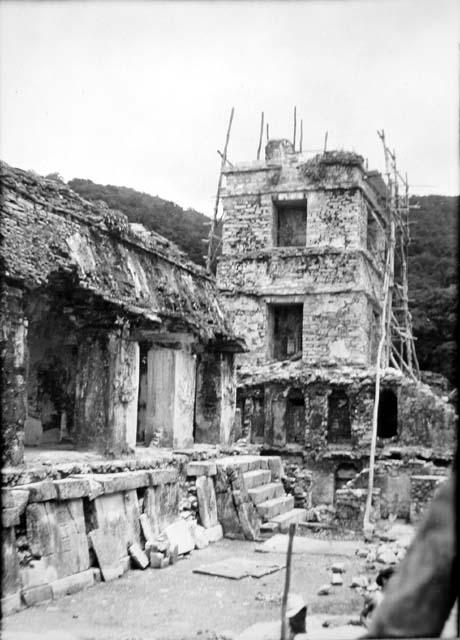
176 603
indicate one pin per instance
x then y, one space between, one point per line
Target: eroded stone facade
301 275
105 329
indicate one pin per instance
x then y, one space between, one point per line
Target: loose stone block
324 590
227 513
214 533
138 556
112 523
178 533
161 504
156 559
249 521
206 501
132 516
146 527
107 549
336 579
72 584
338 567
359 581
200 536
35 595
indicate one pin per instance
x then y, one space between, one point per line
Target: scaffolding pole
209 258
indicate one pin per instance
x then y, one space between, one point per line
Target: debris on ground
324 590
236 568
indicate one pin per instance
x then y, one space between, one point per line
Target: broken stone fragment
173 554
362 552
206 501
139 558
386 556
338 567
178 533
337 579
359 581
200 536
215 533
156 559
324 590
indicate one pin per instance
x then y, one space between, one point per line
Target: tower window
387 418
290 224
286 338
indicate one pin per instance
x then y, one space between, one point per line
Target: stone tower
302 260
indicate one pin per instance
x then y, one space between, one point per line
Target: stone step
283 520
256 478
245 463
270 508
266 492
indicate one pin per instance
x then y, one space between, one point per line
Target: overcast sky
139 94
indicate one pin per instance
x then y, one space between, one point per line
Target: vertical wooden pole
260 135
287 582
295 127
219 184
268 133
325 142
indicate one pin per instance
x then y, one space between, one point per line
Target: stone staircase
262 480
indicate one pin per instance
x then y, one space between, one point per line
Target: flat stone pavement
176 603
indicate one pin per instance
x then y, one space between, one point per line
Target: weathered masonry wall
104 325
329 256
71 525
333 412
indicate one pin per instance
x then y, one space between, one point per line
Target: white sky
139 93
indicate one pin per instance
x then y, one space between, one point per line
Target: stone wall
336 275
65 528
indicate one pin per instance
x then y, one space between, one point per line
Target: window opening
339 425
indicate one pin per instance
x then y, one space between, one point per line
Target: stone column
13 350
215 398
107 392
171 376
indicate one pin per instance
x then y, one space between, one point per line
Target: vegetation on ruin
432 258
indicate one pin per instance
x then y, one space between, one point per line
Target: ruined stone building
301 275
111 337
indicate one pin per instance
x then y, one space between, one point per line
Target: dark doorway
344 473
257 418
143 390
338 417
387 419
295 417
287 330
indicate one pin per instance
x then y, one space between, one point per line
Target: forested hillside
185 227
432 258
433 281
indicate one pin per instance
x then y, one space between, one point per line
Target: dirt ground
176 603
